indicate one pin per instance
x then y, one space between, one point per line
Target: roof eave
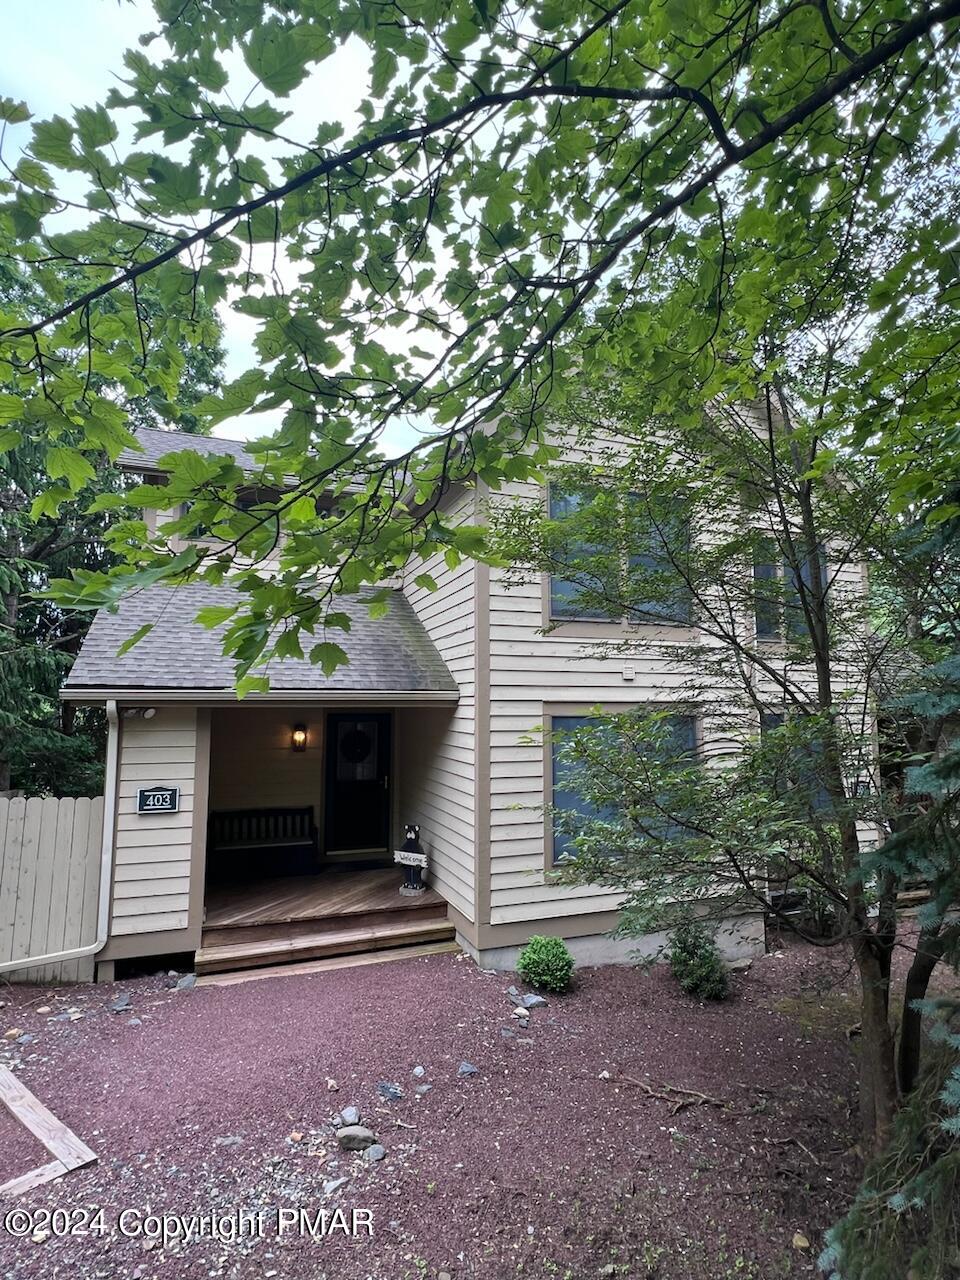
225 697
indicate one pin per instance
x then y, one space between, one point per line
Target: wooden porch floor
287 899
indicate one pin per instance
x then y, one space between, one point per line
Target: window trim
553 710
564 619
781 637
602 628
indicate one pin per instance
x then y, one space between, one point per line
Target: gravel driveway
546 1162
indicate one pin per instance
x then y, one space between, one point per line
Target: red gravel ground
548 1162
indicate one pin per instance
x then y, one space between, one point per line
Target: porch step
222 935
283 946
324 966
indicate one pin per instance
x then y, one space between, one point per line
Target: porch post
198 842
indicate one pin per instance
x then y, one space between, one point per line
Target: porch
332 764
281 920
306 805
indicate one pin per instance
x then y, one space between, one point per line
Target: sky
60 54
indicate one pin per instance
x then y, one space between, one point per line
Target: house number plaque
158 800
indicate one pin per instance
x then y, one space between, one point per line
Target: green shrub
696 964
546 963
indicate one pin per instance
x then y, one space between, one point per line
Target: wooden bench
261 842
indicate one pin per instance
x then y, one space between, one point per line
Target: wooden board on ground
321 966
19 1149
35 1178
63 1144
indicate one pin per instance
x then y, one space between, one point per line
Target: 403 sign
158 800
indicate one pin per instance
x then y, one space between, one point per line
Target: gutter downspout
106 857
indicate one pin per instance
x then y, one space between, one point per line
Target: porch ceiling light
298 737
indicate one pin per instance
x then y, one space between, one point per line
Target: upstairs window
584 558
611 580
195 534
778 592
247 500
252 496
659 551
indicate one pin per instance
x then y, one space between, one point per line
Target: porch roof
392 655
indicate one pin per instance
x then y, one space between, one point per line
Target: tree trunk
886 930
930 950
878 1080
11 609
68 716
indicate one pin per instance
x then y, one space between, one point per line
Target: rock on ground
355 1137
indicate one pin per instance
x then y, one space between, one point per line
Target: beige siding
436 748
252 765
436 770
530 670
151 889
527 671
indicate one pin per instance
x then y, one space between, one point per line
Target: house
260 831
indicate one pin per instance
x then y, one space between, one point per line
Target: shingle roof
157 442
393 653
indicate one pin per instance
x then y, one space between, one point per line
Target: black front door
357 795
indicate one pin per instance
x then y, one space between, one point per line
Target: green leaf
9 439
252 684
135 638
28 211
53 142
383 72
235 398
288 645
64 463
111 437
32 174
276 56
11 407
49 502
317 43
215 615
178 184
94 126
426 581
107 502
329 656
12 111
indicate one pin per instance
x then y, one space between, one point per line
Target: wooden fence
49 883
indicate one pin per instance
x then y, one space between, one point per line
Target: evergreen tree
49 747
